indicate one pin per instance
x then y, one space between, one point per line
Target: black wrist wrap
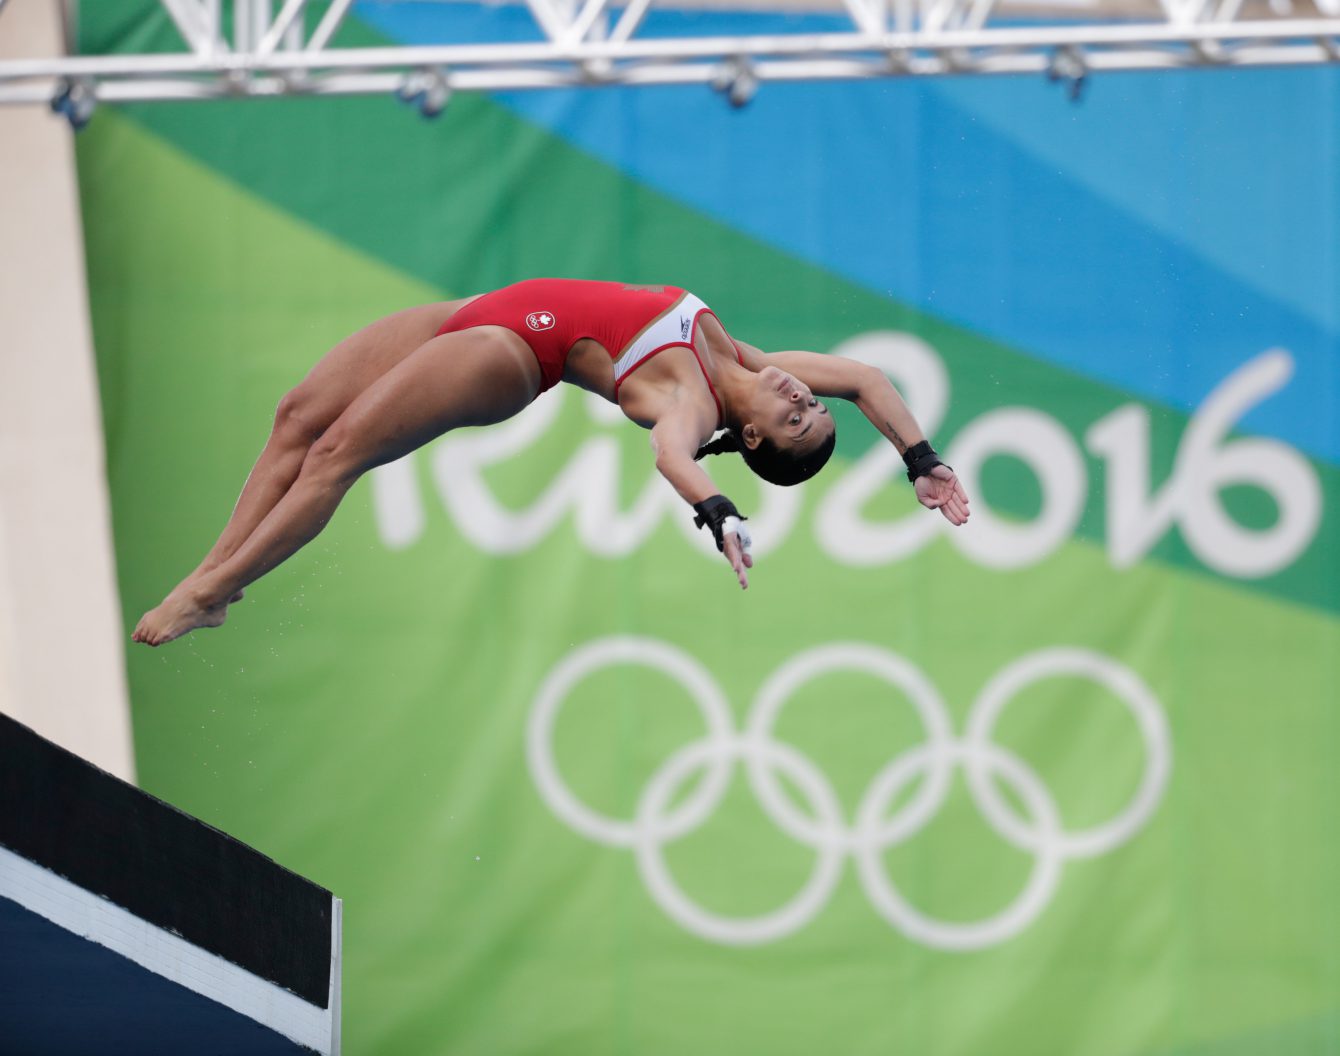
712 513
921 459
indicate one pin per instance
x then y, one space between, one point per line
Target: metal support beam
581 26
329 23
920 38
187 16
292 10
629 21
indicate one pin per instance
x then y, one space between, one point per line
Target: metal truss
287 47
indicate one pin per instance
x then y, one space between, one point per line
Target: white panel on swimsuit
673 327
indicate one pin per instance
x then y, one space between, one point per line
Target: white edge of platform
336 972
168 955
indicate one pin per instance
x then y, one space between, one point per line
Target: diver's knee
336 458
296 422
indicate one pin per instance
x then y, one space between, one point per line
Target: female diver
656 351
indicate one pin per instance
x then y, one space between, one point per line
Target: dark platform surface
61 995
166 867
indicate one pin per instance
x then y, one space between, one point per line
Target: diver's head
783 433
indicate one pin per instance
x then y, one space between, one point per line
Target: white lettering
586 488
1206 464
1053 458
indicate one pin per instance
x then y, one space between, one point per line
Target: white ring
1120 680
873 661
736 931
947 935
626 649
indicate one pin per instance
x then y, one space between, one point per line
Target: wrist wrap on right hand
713 513
921 459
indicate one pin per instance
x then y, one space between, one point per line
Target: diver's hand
739 557
940 490
719 514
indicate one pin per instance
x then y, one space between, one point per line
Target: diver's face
785 411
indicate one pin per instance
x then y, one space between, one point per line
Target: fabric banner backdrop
1063 781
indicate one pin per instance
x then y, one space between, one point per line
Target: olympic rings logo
874 829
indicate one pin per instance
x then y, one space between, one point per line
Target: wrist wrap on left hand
713 513
921 459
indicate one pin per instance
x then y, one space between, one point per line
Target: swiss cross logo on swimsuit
540 320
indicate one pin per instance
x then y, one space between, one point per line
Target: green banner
1061 781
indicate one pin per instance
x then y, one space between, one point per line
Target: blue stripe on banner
1155 236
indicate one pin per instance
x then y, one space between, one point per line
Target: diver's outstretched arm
938 488
674 439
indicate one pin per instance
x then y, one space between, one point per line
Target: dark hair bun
720 445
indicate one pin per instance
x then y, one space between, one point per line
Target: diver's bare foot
237 597
180 613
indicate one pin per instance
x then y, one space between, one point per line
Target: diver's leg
308 410
472 377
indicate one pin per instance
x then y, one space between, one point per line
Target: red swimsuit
551 315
